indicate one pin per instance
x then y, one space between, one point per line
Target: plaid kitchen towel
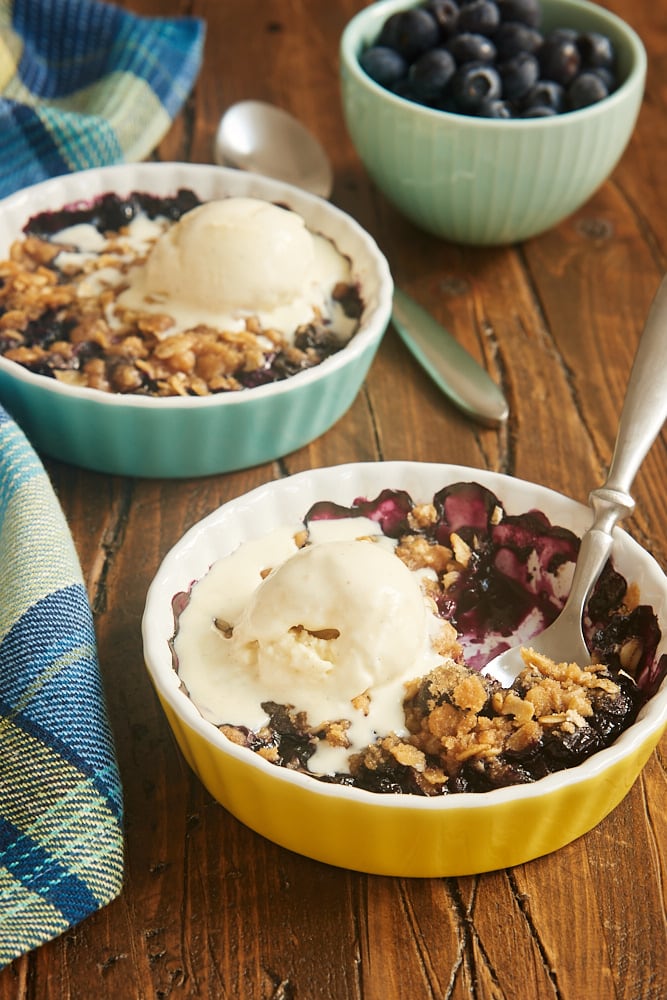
86 84
61 843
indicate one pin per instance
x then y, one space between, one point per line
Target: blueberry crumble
487 577
65 311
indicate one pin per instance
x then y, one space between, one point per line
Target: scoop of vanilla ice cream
341 615
228 260
238 253
313 628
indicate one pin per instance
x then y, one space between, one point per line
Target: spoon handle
642 416
455 372
645 407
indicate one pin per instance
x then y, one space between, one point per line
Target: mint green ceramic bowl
180 437
487 181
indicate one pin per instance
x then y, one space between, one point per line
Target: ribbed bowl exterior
484 181
394 837
179 441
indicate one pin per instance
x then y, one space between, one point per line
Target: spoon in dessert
264 139
642 416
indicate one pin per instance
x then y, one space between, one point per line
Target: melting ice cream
339 625
238 257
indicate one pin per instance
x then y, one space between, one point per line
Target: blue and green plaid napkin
86 84
61 843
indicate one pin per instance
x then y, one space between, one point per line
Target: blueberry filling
109 212
504 584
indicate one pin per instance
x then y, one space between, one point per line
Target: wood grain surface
210 909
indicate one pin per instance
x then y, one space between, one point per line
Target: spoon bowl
264 139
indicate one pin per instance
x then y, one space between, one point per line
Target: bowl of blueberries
487 122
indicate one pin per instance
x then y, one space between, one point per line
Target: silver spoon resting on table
643 414
265 139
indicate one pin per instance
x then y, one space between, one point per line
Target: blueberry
559 60
596 50
495 108
538 112
525 11
518 75
410 32
384 65
112 213
430 74
489 57
563 35
479 16
448 104
473 84
587 89
607 77
389 32
470 47
446 13
405 89
544 94
513 37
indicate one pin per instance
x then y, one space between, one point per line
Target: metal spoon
263 139
643 414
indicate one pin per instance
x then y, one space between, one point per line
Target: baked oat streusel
60 315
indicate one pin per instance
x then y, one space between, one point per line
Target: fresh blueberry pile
489 58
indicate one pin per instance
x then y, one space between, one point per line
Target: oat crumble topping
463 730
63 320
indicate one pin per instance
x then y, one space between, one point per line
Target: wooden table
209 908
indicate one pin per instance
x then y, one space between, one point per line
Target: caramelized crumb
335 733
362 702
301 538
418 552
233 734
224 627
470 694
461 549
446 643
422 516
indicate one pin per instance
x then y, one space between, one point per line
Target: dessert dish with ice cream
351 647
126 388
167 296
